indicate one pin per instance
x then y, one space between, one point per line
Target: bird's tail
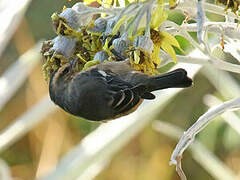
174 79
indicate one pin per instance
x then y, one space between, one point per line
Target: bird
108 90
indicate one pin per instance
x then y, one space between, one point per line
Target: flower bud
121 44
64 46
80 7
143 42
74 19
101 56
99 25
71 18
110 25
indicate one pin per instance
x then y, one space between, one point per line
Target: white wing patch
102 73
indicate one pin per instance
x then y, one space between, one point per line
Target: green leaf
166 67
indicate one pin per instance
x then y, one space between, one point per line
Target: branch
230 117
202 122
200 153
232 30
213 8
203 60
211 60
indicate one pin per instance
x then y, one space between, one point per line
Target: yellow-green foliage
88 42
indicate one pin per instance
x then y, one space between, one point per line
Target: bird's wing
125 95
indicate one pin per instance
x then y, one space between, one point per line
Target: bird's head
64 73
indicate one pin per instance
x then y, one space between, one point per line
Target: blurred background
145 157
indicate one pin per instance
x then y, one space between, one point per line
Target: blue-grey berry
64 46
101 56
144 42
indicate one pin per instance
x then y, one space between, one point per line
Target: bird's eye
66 70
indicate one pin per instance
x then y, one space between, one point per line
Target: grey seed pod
64 46
110 25
75 19
80 7
71 17
100 24
84 18
121 44
101 56
143 42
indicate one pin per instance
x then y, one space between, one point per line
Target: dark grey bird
108 90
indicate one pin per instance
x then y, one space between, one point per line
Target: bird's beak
74 64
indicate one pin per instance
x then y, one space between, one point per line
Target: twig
232 30
230 117
203 60
179 169
212 60
202 122
209 7
200 20
214 166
